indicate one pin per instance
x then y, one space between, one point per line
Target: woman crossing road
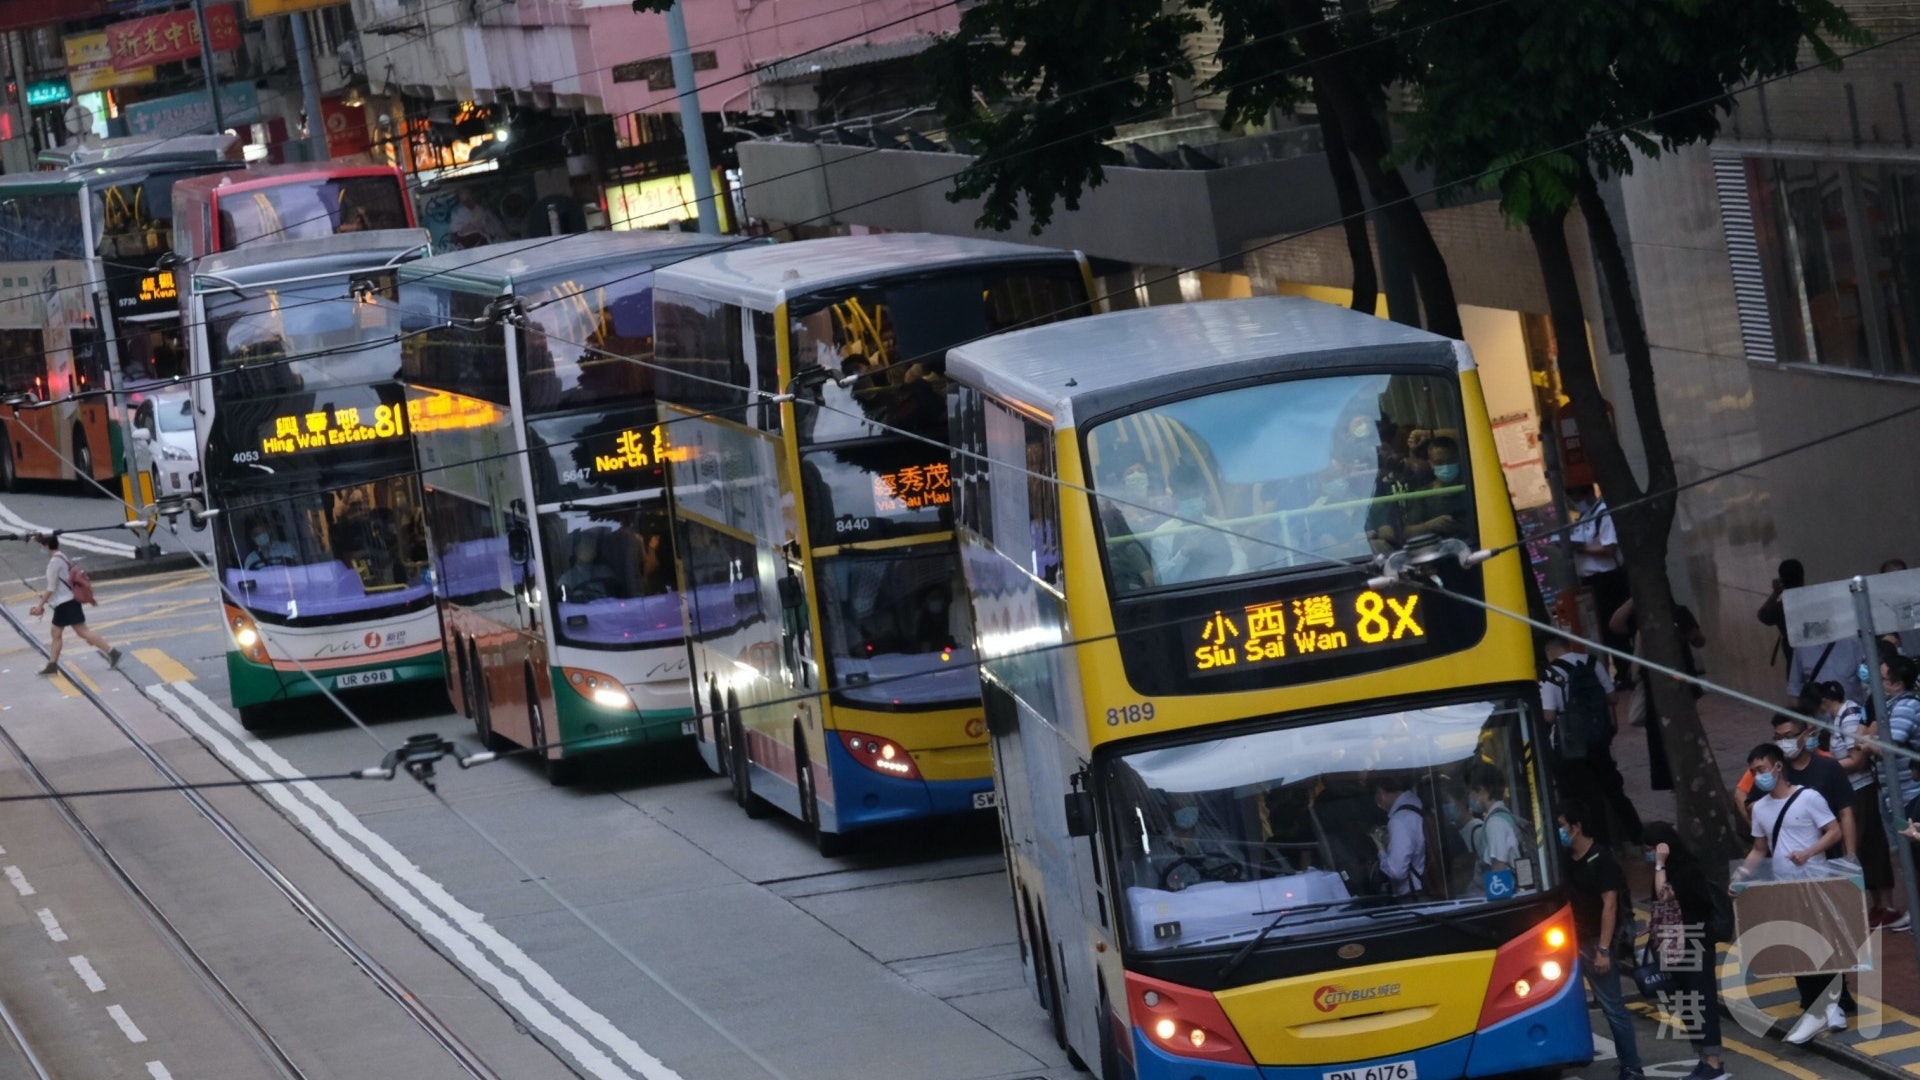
67 608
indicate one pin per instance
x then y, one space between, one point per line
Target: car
165 446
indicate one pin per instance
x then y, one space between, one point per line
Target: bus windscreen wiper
1238 958
1437 919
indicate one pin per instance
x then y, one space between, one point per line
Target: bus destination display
913 487
332 427
1321 626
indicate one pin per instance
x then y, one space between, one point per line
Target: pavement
1884 1039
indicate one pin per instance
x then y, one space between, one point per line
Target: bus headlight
1184 1021
246 635
603 690
1529 968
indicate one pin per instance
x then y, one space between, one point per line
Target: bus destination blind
1272 633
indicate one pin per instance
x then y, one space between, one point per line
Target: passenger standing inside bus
1403 858
1602 911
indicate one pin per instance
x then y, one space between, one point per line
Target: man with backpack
1404 861
68 590
1577 701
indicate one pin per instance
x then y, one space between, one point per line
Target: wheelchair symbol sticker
1499 884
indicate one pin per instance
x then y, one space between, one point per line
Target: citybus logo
1329 998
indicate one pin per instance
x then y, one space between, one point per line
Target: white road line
82 541
127 1028
84 968
460 929
52 924
20 884
158 1071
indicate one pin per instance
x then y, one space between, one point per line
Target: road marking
86 680
64 685
83 968
158 1071
52 924
464 932
1756 1054
92 544
156 611
1876 1047
127 1028
19 880
169 669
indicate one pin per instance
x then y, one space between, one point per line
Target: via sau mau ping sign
1818 614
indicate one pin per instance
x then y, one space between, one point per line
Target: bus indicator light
1303 627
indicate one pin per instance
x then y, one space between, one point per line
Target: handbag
1667 933
1648 976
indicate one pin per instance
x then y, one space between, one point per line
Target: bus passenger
1186 547
1403 858
266 550
588 578
1497 841
1447 512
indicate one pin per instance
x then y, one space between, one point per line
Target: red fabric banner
161 39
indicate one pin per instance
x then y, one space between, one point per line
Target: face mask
1447 474
1566 838
1789 747
1186 817
1191 508
261 539
1765 781
1136 483
1862 672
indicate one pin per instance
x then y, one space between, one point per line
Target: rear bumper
863 798
258 684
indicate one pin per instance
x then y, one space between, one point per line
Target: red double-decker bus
268 203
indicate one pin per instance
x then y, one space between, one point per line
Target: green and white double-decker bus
531 401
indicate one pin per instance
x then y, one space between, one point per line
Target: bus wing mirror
792 595
519 544
1079 806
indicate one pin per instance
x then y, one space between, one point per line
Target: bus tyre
560 771
255 717
1056 1008
83 462
9 473
1112 1065
722 751
831 845
738 770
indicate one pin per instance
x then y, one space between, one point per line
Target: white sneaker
1836 1019
1810 1024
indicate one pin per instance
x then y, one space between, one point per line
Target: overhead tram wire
811 168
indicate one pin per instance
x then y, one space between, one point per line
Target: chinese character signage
48 92
347 132
637 449
1303 627
183 114
134 290
649 204
913 487
162 39
90 65
332 427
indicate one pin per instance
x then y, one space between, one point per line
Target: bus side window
766 370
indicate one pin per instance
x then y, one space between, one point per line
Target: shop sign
260 9
181 114
657 72
162 39
650 204
48 92
90 65
347 132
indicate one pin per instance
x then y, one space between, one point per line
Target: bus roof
285 260
495 268
82 178
763 277
1093 365
146 150
264 176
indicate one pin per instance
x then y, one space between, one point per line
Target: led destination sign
632 449
913 487
333 427
1277 632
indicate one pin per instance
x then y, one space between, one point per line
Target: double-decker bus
306 453
84 307
831 645
543 474
1212 704
268 203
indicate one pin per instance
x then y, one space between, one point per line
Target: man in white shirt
1593 778
1794 828
1497 841
1596 559
1404 859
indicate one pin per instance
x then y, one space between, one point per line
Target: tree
1543 105
1038 89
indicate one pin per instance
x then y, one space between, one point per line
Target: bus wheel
560 771
9 476
830 844
722 751
83 462
1057 1008
255 717
737 768
1112 1065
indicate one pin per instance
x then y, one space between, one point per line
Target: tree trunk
1341 98
1353 209
1700 795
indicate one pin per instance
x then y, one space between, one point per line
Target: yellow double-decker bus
803 388
1219 719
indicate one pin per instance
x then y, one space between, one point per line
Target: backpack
1430 876
1585 720
78 583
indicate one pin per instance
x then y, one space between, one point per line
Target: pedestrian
1853 738
1897 674
1602 926
1706 922
67 611
1642 709
1577 700
1597 561
1773 612
1808 767
1793 829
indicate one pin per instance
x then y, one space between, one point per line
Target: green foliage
1527 97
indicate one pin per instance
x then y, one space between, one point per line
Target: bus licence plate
689 727
986 800
1392 1070
362 678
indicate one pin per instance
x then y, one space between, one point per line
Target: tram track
464 1056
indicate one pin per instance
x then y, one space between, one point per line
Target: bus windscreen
1281 475
896 636
307 208
328 333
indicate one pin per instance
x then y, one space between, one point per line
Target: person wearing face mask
1897 674
1498 840
266 550
1184 547
1806 767
1602 926
1852 751
1793 829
